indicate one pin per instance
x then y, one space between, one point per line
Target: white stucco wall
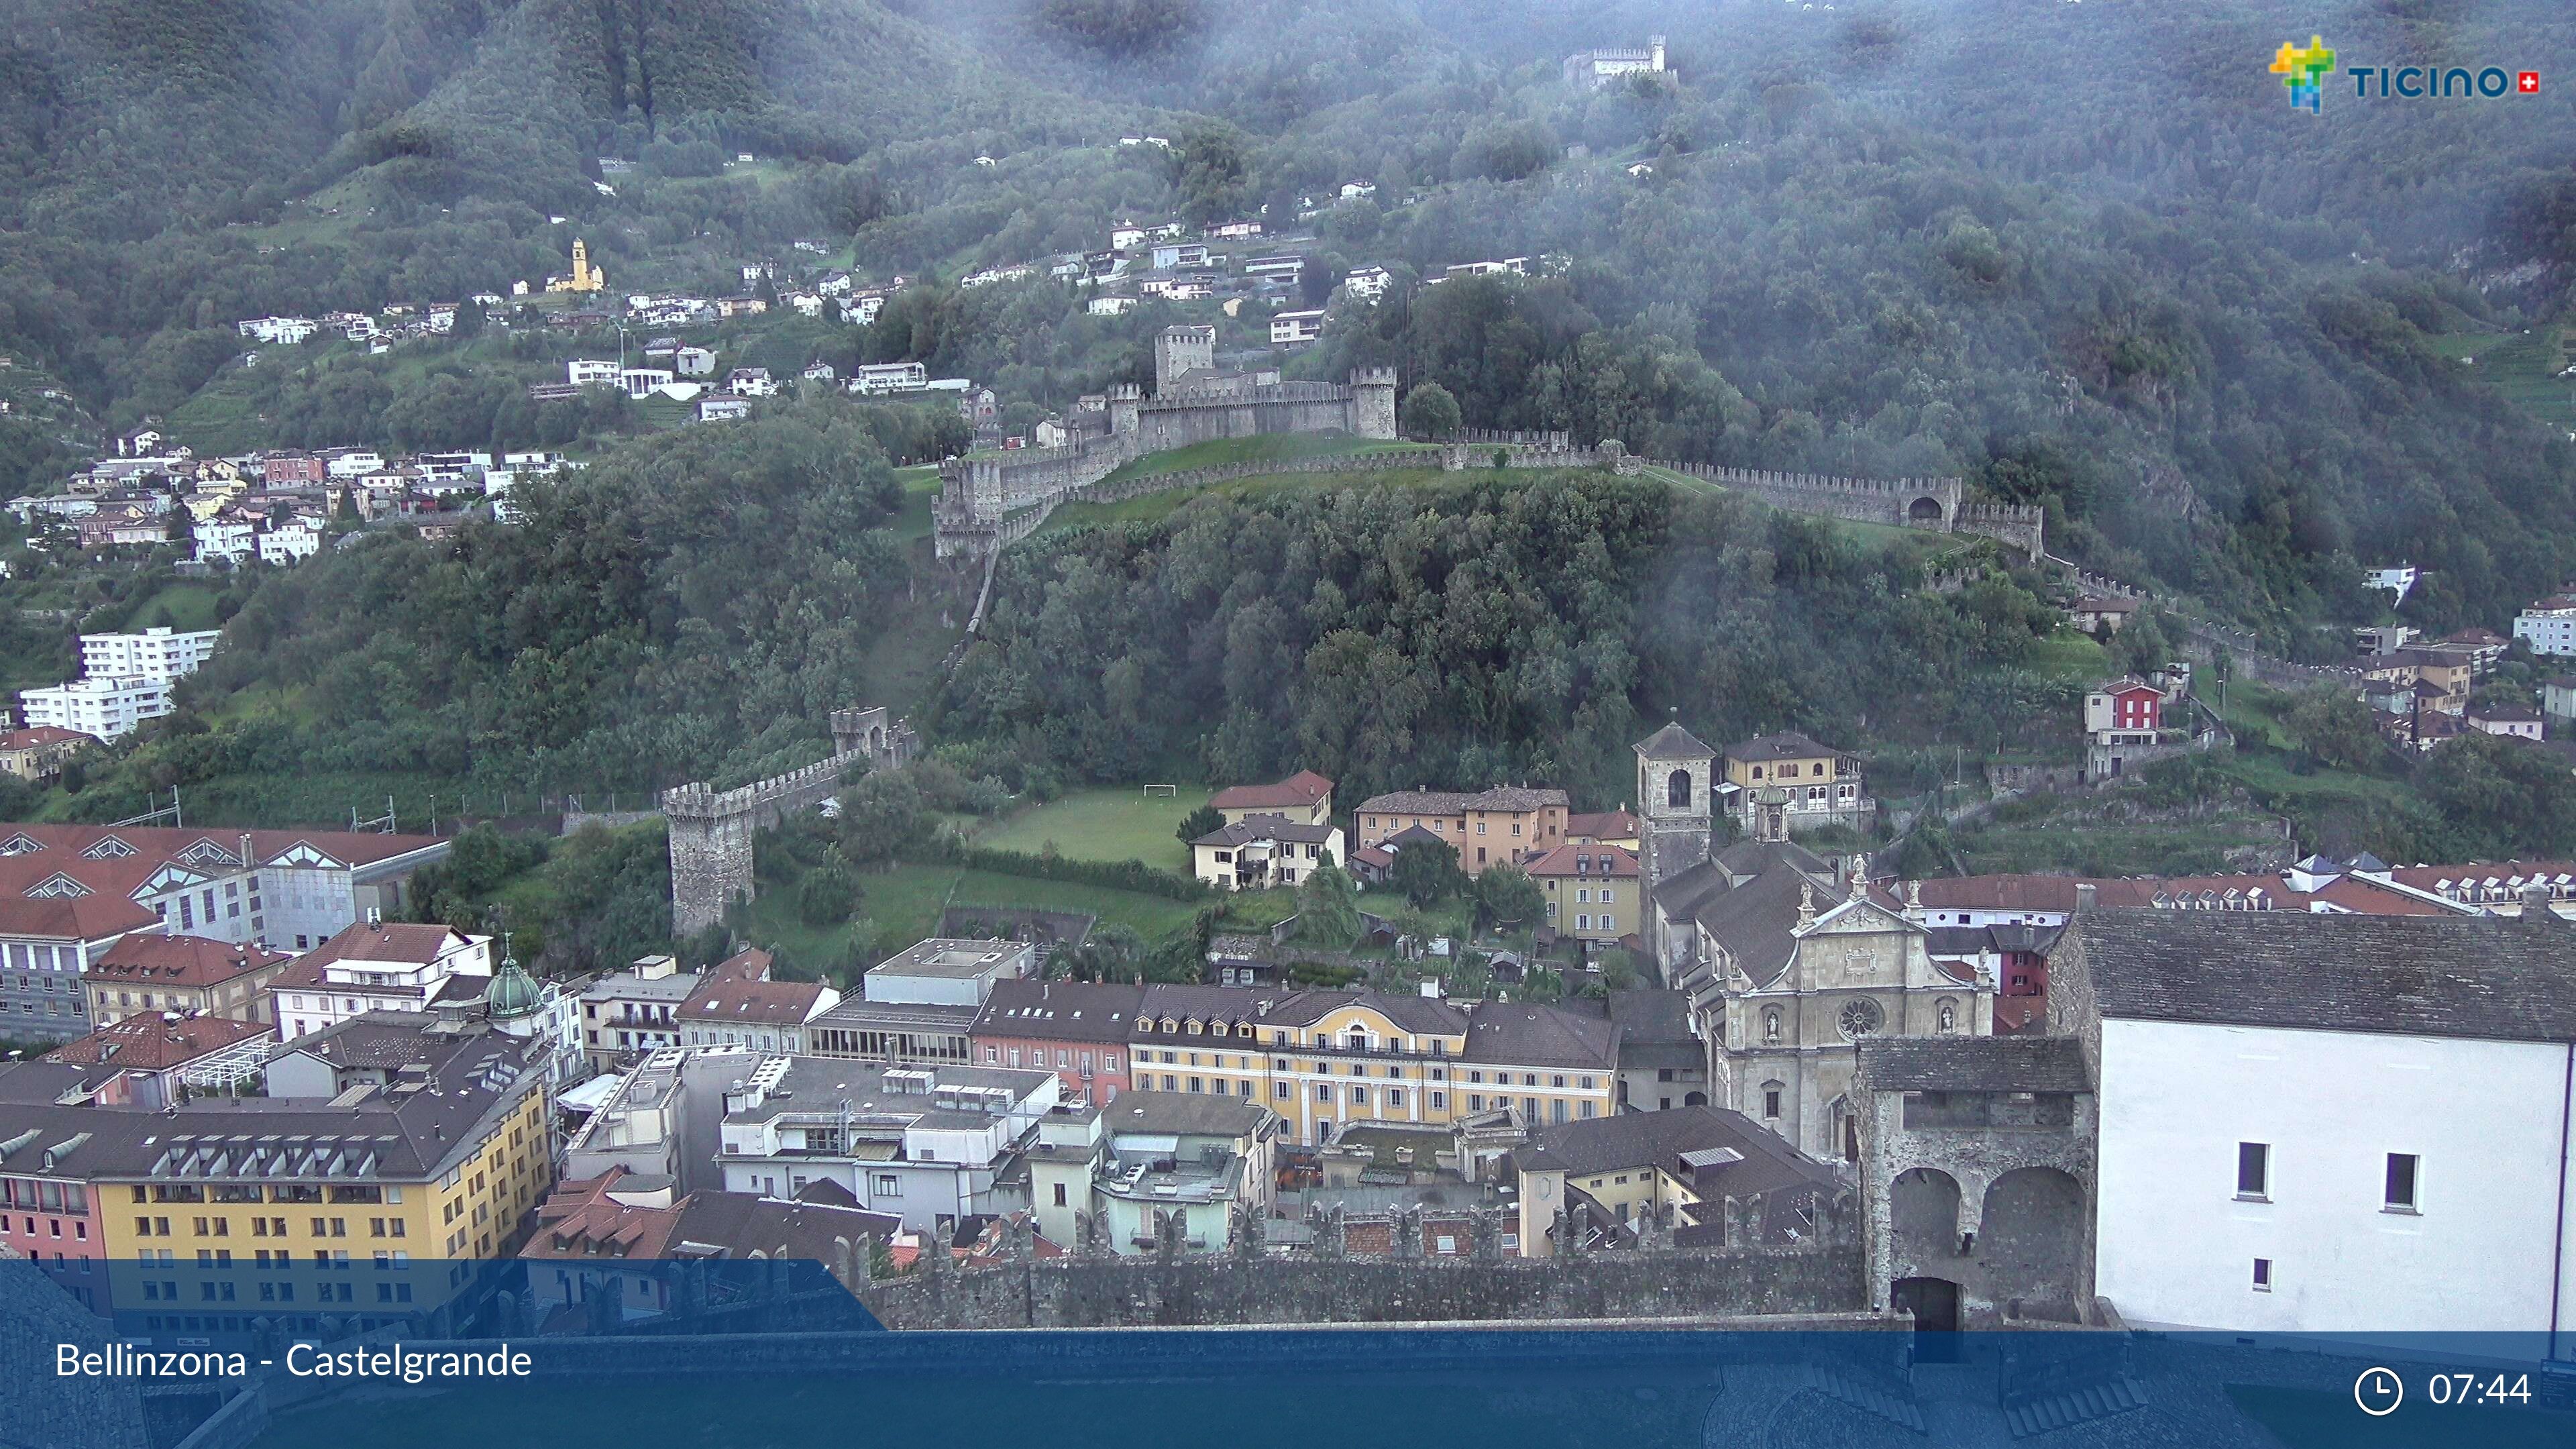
2176 1247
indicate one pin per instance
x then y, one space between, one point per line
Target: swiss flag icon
2528 83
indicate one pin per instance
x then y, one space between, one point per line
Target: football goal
1166 790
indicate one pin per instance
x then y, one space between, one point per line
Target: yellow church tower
583 278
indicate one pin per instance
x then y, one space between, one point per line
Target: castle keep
1193 402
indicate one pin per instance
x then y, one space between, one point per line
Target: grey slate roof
1658 1139
1540 1036
2451 976
1785 745
1253 828
1672 742
1185 1114
1060 1010
1969 940
1747 899
1459 802
1974 1064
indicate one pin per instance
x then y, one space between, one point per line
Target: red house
2124 706
1076 1029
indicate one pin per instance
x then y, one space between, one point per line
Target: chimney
2535 904
375 918
2083 897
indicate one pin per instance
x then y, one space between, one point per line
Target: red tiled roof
29 738
1606 825
735 998
180 960
1606 860
1303 788
150 1042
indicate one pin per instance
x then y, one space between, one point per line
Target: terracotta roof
179 960
408 942
1604 825
33 736
151 1042
1599 860
742 999
1515 798
1301 789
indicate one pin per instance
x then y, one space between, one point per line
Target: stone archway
2030 1239
1923 1217
1694 1099
1926 509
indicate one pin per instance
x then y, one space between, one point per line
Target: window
1059 1195
2401 1182
2254 1171
1771 1100
2262 1275
889 1184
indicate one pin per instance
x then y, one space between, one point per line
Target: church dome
514 993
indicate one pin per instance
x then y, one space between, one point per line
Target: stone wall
711 829
1134 1293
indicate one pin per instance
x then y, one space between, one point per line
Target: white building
108 708
378 965
923 1142
1608 67
2397 579
590 371
751 382
723 407
634 1011
2549 625
161 654
693 362
1368 283
226 537
2329 1123
872 378
643 382
940 972
352 462
1295 328
290 542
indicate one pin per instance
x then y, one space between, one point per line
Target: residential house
737 1004
105 709
723 407
150 973
588 1228
1504 824
693 362
1592 892
634 1012
1305 798
1607 827
1154 1160
1368 283
1079 1030
2518 720
291 541
1793 783
1678 1169
1261 851
378 965
1291 329
155 1059
751 382
930 1145
39 752
2558 699
2101 615
2549 625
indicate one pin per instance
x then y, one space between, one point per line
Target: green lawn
1154 507
2524 366
920 490
2069 654
185 606
904 905
1261 447
1119 823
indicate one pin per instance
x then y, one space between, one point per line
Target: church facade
1789 957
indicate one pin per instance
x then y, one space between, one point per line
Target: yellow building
365 1203
1798 782
1325 1060
584 278
1501 826
1592 892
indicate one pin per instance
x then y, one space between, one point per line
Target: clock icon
2378 1391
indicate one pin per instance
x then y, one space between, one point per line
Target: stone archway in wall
1923 1218
1925 509
2030 1241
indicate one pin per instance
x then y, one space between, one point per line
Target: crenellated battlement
710 830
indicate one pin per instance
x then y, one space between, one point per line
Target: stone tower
1676 784
1373 402
1125 401
1182 350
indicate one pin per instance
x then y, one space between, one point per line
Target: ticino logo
2303 70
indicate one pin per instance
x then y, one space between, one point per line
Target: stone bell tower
1676 784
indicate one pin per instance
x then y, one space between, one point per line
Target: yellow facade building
365 1203
1327 1060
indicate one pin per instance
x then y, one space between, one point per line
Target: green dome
514 993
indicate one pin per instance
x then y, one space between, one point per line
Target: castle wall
1132 1293
711 830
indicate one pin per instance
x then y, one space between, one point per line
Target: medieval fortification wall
711 829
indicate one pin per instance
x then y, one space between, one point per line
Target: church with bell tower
1790 958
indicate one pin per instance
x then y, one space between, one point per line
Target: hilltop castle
1193 402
